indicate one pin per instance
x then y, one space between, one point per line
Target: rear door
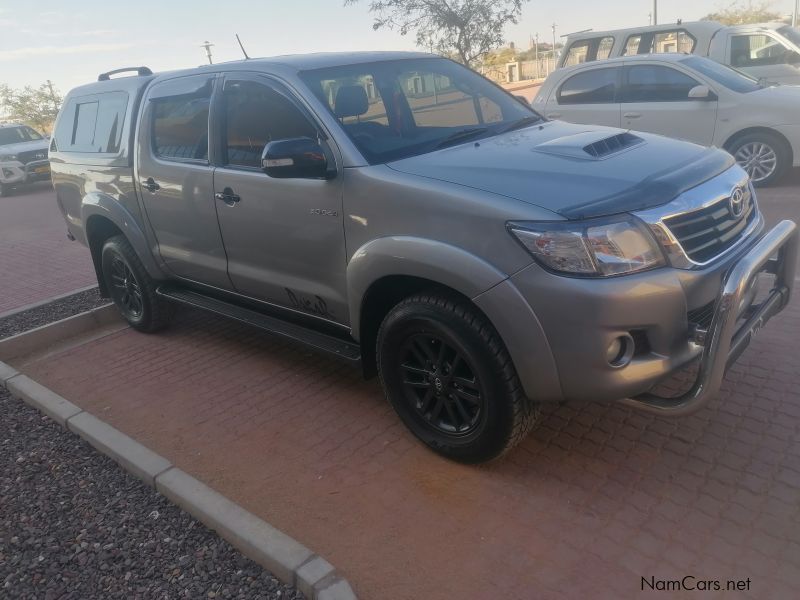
589 96
284 238
176 179
655 99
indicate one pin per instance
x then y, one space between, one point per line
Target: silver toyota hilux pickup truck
400 211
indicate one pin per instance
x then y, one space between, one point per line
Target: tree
36 107
742 12
465 29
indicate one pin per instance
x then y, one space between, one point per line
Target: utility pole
655 12
207 45
536 55
794 14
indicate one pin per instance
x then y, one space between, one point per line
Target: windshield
395 109
791 33
17 135
723 74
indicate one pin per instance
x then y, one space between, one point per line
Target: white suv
685 97
23 156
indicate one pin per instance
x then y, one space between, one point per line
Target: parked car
23 156
769 51
685 97
401 211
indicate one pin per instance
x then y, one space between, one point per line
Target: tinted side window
589 50
597 86
653 83
255 115
577 53
84 125
757 50
180 127
92 124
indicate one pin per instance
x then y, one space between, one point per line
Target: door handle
227 196
554 116
150 185
632 115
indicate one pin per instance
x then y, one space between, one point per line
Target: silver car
402 212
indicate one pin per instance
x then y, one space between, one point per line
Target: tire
435 352
131 287
765 156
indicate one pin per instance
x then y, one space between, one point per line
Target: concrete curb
22 309
47 335
284 557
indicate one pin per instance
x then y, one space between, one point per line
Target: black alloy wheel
440 385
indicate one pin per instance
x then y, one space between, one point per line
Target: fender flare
96 204
416 257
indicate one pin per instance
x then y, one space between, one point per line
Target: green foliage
741 12
465 29
36 107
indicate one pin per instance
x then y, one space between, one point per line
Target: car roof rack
139 71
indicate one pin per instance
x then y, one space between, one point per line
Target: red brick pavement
593 500
37 261
596 498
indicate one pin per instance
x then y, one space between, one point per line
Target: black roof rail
139 71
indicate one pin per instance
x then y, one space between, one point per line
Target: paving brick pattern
37 261
596 498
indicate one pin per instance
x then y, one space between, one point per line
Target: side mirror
701 92
296 158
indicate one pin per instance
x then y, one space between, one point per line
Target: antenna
242 47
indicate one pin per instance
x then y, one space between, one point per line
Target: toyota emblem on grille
736 204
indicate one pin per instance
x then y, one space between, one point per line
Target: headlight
5 157
591 248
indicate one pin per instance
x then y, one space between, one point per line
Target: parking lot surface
597 498
37 261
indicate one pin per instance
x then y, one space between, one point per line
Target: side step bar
345 349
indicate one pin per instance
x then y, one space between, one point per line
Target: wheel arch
103 217
749 130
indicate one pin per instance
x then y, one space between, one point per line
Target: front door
176 179
764 56
284 237
656 99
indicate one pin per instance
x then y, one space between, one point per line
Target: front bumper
734 325
15 172
579 319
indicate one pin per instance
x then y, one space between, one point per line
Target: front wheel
763 155
449 377
131 287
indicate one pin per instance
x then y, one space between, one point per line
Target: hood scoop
589 146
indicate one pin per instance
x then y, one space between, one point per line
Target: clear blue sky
70 42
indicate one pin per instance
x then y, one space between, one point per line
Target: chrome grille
709 231
31 156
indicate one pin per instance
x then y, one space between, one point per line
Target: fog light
620 351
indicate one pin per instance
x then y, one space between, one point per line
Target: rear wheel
763 155
131 287
450 379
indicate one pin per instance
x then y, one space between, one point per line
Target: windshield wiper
520 123
460 136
